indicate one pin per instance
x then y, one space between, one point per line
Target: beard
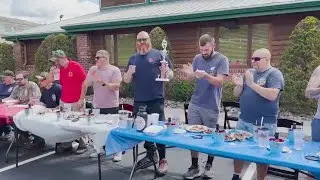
143 49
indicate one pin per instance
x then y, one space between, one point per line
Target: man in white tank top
313 91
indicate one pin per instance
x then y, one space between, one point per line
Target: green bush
49 44
6 57
157 35
179 90
297 64
227 92
126 90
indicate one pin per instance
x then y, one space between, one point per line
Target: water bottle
141 119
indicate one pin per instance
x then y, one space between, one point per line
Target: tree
6 57
157 35
49 44
297 64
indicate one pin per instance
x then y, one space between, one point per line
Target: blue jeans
315 130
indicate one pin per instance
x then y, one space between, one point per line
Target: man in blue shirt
259 92
209 68
143 69
51 92
7 84
6 87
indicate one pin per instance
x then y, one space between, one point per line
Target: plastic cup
263 137
255 133
298 139
276 146
219 137
170 129
96 112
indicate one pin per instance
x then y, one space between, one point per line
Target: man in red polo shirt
73 82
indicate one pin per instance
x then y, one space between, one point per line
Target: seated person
6 87
7 84
25 90
51 92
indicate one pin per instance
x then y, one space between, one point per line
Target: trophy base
162 79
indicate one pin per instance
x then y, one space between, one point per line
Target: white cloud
46 11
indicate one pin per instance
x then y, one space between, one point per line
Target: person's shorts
201 116
242 125
315 130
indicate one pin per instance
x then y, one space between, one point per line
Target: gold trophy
164 63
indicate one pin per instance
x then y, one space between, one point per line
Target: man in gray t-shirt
209 69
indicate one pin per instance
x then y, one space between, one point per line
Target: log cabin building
239 27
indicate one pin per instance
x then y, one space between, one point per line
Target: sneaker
163 166
236 177
94 154
117 157
146 162
193 172
81 151
208 172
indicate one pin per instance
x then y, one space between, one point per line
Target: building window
109 42
260 36
233 43
121 47
126 48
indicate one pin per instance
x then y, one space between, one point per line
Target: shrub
6 57
179 90
157 35
49 44
227 92
126 90
298 62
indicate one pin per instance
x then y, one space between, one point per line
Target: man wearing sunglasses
24 90
105 79
143 69
209 68
259 92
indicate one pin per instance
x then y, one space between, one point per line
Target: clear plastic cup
263 137
219 137
255 133
298 139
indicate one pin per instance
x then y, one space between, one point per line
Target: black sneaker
146 162
236 177
193 172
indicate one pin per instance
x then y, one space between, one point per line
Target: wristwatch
104 84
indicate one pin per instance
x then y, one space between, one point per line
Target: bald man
259 92
143 69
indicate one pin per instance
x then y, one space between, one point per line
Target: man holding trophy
148 69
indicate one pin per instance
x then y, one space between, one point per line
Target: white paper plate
192 129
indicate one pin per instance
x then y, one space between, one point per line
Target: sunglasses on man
256 59
142 39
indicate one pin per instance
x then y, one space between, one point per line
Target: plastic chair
226 105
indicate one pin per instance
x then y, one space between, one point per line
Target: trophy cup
164 63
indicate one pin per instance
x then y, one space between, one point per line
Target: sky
47 11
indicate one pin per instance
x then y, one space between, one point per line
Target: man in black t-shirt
51 92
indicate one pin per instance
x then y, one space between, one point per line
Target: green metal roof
170 12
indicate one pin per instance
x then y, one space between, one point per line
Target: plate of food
71 117
196 128
229 137
239 135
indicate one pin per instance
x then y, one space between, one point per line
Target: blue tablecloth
124 139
